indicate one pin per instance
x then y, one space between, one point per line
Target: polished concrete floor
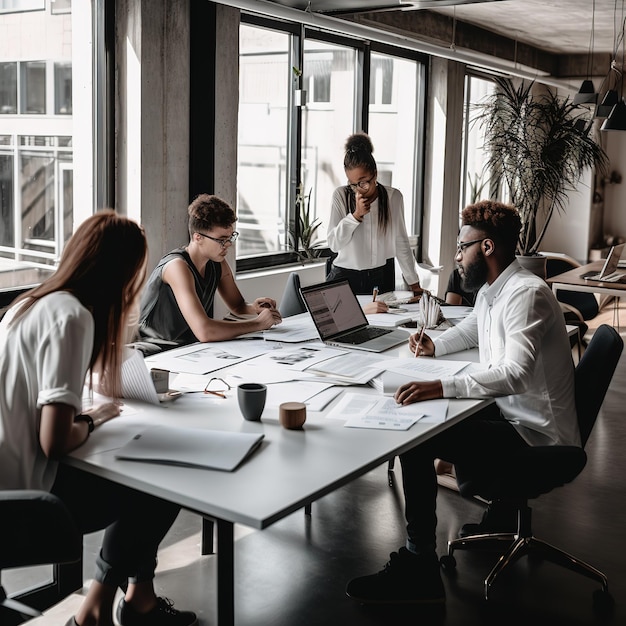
294 573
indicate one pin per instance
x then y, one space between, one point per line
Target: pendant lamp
587 92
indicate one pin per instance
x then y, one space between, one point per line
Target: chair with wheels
534 471
37 529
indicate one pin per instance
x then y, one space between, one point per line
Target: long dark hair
103 265
359 153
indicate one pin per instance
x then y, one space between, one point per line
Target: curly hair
500 222
208 211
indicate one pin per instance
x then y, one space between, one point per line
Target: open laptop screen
334 308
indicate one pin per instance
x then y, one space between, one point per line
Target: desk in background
572 281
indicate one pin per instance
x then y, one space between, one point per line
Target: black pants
477 444
364 281
135 523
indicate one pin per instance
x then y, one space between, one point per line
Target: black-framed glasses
362 185
222 240
217 387
461 246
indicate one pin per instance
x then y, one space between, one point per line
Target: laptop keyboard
363 335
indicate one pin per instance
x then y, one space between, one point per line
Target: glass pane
327 121
6 200
63 88
262 142
38 218
33 87
8 88
474 180
392 126
37 153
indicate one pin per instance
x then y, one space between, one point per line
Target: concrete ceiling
555 26
558 26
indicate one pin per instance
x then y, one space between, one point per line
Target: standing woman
71 328
366 227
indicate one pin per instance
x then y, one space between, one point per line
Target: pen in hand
374 294
419 341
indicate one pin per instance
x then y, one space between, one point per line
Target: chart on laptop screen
333 309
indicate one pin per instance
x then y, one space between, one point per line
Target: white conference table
290 470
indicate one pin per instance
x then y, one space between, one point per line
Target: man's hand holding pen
421 344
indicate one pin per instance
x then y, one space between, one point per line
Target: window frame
364 50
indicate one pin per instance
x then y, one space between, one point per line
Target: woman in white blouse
366 229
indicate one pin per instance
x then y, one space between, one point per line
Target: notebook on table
191 447
608 272
340 320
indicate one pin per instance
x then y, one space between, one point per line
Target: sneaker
407 578
499 517
163 614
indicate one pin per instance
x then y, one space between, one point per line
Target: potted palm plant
537 148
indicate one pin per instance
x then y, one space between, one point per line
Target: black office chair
578 307
291 302
37 529
537 470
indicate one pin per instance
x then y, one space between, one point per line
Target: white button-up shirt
363 245
519 329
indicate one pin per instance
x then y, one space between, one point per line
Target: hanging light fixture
587 92
616 119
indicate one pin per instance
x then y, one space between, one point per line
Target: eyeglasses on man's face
362 185
461 246
221 240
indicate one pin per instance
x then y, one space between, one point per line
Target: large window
474 184
299 101
264 97
37 129
395 84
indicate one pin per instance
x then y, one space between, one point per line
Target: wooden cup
292 415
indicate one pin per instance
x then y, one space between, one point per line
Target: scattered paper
136 381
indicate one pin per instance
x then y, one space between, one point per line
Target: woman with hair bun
366 229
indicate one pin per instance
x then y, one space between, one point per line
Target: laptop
608 272
340 320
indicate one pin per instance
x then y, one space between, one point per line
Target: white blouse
44 358
362 245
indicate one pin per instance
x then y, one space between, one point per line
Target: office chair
291 302
37 529
533 471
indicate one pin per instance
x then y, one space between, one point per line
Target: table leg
225 573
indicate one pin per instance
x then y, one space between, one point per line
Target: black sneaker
499 517
163 614
406 579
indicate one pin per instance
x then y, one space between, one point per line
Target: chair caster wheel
447 562
603 602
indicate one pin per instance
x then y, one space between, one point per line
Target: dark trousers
135 523
477 444
364 281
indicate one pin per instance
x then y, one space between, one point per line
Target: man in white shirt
519 329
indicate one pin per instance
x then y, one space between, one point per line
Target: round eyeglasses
221 240
217 387
362 185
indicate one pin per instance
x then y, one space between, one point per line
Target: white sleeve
342 223
403 248
63 359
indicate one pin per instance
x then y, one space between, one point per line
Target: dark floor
294 573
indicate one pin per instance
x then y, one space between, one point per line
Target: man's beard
475 274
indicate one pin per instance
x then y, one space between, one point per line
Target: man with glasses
177 302
519 328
